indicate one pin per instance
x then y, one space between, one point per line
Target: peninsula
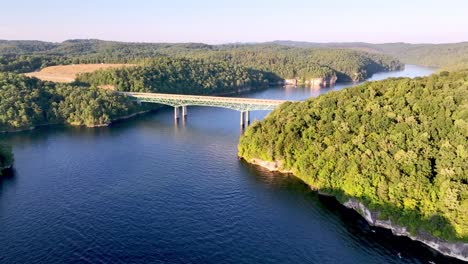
393 150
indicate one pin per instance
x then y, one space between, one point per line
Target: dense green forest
321 56
303 64
6 157
400 146
449 55
434 55
285 62
28 102
179 75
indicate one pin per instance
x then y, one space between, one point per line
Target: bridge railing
243 105
205 98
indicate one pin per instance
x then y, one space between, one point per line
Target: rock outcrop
320 82
457 250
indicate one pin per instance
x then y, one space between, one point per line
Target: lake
146 190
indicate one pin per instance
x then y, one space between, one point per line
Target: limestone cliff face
290 82
457 250
320 82
270 165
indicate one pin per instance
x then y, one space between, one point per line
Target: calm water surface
145 190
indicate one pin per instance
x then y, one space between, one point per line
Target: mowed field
67 73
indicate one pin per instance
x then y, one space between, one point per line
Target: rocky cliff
457 250
320 82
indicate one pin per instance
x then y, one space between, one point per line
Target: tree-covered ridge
304 63
6 157
400 146
28 102
180 75
28 56
223 70
433 55
286 62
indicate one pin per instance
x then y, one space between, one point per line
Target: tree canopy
400 146
180 75
285 62
28 102
453 55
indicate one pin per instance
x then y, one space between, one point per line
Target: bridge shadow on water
356 226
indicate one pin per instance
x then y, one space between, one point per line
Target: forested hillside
450 55
301 63
285 62
27 102
399 146
434 55
179 75
32 55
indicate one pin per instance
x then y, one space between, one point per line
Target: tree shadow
7 179
331 201
427 227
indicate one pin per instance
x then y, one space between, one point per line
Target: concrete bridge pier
176 113
184 111
242 117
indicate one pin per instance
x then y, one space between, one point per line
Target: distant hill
433 55
80 46
304 66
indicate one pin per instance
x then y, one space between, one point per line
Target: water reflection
7 180
327 208
147 190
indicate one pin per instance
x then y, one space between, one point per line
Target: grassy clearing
68 73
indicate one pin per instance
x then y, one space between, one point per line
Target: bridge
243 105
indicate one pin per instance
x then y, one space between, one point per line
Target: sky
222 21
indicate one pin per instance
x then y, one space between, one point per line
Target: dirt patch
67 73
107 87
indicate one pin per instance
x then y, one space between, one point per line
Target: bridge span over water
243 105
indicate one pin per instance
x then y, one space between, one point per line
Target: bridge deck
236 103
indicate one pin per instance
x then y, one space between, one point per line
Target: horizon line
240 42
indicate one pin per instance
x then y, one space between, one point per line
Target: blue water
148 191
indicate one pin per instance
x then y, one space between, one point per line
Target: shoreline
4 171
121 118
239 91
6 167
71 125
458 250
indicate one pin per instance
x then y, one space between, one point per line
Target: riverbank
121 118
136 177
457 250
155 107
80 122
5 168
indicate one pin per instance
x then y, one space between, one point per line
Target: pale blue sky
221 21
